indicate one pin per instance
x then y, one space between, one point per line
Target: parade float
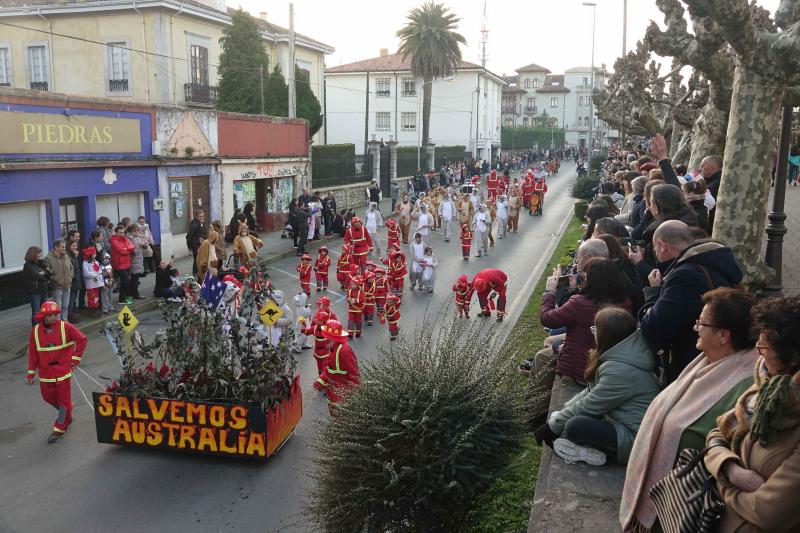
219 379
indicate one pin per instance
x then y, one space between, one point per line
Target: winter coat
197 232
93 279
62 271
35 274
773 506
394 191
577 315
636 211
206 258
700 209
669 312
623 387
77 271
240 250
148 236
137 257
121 251
301 219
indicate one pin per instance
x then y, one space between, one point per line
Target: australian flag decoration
211 290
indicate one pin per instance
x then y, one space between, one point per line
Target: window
21 225
552 122
38 68
408 121
383 87
118 206
580 122
199 65
527 83
119 67
530 105
383 121
585 101
409 87
509 121
585 82
305 70
586 121
555 83
524 121
5 66
554 102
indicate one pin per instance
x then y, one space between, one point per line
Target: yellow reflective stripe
64 343
54 380
58 430
31 372
76 358
337 370
321 382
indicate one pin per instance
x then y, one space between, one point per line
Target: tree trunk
747 170
708 135
427 89
681 154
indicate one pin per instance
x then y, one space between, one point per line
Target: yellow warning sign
127 319
270 312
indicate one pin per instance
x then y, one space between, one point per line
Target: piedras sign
56 133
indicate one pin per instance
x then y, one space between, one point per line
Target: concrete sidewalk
16 321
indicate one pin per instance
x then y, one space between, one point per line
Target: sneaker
572 453
500 319
525 368
478 254
128 300
54 437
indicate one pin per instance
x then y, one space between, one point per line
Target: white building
379 98
565 98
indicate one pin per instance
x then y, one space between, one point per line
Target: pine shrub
435 419
584 187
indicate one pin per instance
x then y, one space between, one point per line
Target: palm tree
429 38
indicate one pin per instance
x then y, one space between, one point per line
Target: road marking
78 383
295 276
90 377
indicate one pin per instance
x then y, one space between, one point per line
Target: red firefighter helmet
463 279
355 220
323 248
322 316
480 284
323 302
356 280
306 257
48 308
333 331
464 226
392 297
369 274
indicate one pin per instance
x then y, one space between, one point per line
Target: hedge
525 138
332 150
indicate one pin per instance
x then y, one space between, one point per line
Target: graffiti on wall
279 195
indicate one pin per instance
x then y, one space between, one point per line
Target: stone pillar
392 160
374 148
430 158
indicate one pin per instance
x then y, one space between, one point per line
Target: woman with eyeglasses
686 411
754 451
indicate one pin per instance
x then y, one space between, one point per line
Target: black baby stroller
288 232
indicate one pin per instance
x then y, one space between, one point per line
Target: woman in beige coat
245 246
755 450
514 203
219 244
207 256
466 211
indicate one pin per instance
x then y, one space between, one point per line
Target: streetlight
591 91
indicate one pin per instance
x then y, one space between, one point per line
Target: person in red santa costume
54 347
492 184
321 266
341 374
359 240
484 283
463 292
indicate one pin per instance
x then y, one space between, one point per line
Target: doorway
201 196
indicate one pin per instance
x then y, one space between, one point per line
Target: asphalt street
80 485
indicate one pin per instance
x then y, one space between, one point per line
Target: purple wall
145 131
86 183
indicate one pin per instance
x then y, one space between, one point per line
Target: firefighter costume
356 300
392 233
484 283
53 349
463 292
358 238
392 310
381 291
466 241
343 267
341 373
304 272
320 318
369 296
397 271
321 266
492 184
539 190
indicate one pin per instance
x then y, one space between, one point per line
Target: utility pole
624 27
591 98
484 36
291 67
261 81
366 117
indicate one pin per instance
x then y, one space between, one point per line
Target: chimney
384 52
262 15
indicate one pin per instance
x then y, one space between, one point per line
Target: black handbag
686 499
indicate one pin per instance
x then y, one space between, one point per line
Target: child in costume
466 241
321 265
356 300
393 315
304 272
343 267
428 270
369 295
463 292
302 324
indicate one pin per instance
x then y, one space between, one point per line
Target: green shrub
596 162
332 150
583 188
434 420
580 209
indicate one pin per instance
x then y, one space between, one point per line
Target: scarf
700 386
770 406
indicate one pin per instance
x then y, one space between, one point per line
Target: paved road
79 485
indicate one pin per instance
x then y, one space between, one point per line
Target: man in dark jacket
196 235
686 270
301 214
329 212
375 194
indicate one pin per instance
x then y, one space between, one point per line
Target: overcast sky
556 34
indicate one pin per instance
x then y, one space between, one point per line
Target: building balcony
407 94
39 86
531 110
118 86
195 93
509 110
5 84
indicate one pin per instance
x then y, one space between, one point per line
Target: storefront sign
266 170
52 133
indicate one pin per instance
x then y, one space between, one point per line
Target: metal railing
199 94
409 93
332 171
39 86
118 86
531 110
